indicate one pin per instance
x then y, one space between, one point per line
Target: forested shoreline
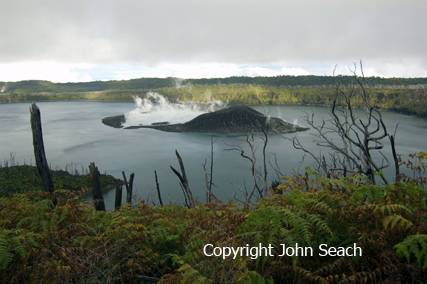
404 95
42 86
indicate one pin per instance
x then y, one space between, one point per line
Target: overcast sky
70 41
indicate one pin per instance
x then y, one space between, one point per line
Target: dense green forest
401 99
406 95
39 86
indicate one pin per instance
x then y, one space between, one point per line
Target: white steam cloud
295 122
155 108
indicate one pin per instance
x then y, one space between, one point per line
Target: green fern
250 277
191 275
19 246
388 208
370 193
5 255
262 219
392 220
62 214
416 245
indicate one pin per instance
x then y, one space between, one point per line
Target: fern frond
416 245
63 212
249 277
19 246
5 255
301 225
392 220
389 208
191 275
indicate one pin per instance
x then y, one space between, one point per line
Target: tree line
41 86
408 100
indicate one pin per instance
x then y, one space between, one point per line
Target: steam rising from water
295 121
156 108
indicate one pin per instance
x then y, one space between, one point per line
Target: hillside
39 86
405 95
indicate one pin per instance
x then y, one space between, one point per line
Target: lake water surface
73 134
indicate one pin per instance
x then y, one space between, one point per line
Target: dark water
73 134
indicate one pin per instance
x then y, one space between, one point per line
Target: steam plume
155 108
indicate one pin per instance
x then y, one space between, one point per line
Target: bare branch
358 136
183 180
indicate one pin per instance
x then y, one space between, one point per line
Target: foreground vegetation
73 243
25 178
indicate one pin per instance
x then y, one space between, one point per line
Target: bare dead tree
264 157
395 156
118 197
129 186
358 137
244 191
96 185
39 152
259 175
158 188
208 182
183 181
275 166
252 159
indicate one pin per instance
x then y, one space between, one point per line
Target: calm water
73 134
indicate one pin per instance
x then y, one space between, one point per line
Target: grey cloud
296 32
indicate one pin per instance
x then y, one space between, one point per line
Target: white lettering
347 253
255 254
226 251
204 249
340 251
219 253
322 249
357 248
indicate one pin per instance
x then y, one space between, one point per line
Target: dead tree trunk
96 185
158 189
183 179
39 153
209 182
118 200
395 158
129 187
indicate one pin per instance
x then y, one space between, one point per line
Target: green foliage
73 243
406 95
5 255
21 179
413 245
39 86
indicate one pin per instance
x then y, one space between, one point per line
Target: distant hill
40 86
405 95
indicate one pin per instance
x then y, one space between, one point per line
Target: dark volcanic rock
229 120
114 121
